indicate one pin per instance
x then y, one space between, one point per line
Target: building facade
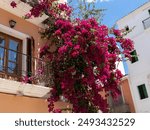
19 46
139 67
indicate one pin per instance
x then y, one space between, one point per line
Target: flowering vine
84 62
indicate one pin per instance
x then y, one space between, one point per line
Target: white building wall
120 66
140 70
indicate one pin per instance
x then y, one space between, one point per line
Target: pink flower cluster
84 63
44 50
87 54
65 8
39 8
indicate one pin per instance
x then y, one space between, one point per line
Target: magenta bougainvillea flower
84 62
88 54
13 4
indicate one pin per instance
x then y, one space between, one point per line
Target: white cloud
104 0
89 1
65 1
98 0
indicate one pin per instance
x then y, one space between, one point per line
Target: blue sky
116 9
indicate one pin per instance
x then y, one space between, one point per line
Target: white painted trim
21 36
13 32
21 89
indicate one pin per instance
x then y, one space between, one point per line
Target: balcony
17 66
146 23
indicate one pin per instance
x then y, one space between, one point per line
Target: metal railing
146 23
24 68
30 2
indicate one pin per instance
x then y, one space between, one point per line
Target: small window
10 58
142 91
149 11
127 28
134 56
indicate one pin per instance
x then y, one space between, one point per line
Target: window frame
4 72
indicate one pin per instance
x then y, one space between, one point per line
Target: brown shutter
30 45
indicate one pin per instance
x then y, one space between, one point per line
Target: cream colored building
139 68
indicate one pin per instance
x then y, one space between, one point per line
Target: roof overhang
20 11
146 5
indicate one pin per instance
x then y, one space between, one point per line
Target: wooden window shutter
30 46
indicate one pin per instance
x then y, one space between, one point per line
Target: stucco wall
21 104
139 72
126 92
22 26
13 103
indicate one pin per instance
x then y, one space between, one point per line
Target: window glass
2 41
13 45
12 68
1 53
1 65
12 56
142 91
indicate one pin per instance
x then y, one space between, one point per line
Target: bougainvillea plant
84 61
